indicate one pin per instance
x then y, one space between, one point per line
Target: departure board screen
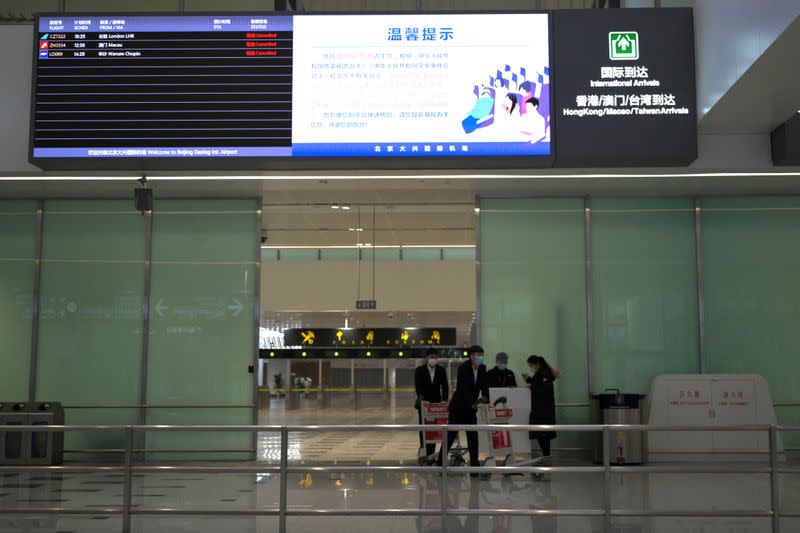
146 87
293 92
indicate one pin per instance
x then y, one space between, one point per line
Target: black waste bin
46 448
612 408
13 444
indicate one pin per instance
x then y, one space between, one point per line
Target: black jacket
543 403
435 391
468 390
500 378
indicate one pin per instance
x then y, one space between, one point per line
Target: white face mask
432 362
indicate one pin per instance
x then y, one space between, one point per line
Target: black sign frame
587 143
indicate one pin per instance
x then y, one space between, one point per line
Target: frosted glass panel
459 254
301 254
90 331
17 250
203 329
644 291
752 293
422 254
533 292
339 254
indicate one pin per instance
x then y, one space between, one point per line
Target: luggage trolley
500 441
438 414
432 414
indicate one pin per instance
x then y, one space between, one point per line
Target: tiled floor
395 490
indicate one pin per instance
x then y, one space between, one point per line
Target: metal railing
128 469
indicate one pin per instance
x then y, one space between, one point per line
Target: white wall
733 151
16 62
400 285
729 36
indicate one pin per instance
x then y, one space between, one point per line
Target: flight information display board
256 91
162 87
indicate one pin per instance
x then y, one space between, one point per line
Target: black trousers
544 444
430 449
472 446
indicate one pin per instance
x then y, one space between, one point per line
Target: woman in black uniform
543 402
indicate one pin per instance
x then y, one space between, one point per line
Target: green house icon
623 45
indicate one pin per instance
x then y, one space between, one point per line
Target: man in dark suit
470 385
430 382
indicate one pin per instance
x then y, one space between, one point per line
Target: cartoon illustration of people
508 117
533 124
482 113
511 107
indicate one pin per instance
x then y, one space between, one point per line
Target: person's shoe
546 461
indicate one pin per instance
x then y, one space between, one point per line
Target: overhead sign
247 88
625 87
593 87
379 337
360 352
366 304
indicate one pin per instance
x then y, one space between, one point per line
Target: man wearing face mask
430 382
470 386
500 375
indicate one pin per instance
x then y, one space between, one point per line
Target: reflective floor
663 492
385 446
721 493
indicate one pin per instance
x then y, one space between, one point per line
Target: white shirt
432 372
475 374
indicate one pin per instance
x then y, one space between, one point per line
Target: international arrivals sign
625 87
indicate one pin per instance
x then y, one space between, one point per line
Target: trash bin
13 444
46 448
614 407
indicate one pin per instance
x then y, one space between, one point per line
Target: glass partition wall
611 290
607 288
94 298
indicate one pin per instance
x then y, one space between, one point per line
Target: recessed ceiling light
346 207
335 206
